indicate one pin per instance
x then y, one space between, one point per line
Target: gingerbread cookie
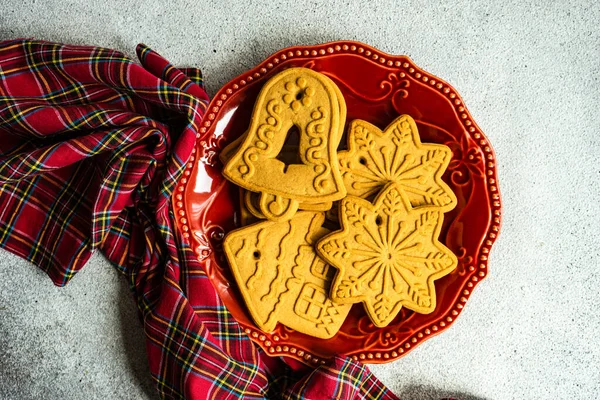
387 255
245 216
252 204
311 102
316 206
281 277
288 154
375 158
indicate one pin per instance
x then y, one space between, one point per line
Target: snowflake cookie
387 255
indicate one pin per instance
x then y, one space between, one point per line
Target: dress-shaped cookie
311 102
387 255
281 277
396 155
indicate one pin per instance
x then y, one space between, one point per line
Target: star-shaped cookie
387 255
375 158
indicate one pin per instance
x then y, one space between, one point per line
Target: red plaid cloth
92 145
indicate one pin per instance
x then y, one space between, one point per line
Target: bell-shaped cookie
310 102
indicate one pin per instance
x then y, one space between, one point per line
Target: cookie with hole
396 154
387 255
311 103
281 277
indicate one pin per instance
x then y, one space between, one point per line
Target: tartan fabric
91 147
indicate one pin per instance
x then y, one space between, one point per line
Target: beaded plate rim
269 341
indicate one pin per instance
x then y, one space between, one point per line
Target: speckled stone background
529 72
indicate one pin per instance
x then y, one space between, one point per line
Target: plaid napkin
91 147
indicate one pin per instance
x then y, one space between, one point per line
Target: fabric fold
92 145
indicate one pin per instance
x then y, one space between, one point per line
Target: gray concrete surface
529 71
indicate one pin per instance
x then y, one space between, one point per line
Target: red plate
377 88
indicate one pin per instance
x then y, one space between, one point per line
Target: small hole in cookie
290 152
299 95
378 220
256 254
362 160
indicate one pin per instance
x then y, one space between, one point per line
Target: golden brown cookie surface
375 158
281 277
387 255
252 200
309 101
245 216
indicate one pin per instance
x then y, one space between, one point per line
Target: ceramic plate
377 88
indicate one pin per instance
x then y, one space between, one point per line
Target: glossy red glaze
377 88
